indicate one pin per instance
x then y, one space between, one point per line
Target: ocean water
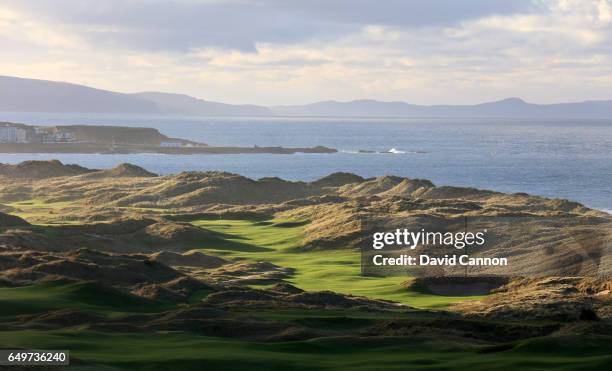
565 159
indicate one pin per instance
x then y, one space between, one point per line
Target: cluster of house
18 133
13 134
53 135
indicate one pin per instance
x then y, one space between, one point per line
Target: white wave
395 151
606 211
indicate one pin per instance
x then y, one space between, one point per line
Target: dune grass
336 270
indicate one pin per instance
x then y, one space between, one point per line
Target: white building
52 134
13 134
170 144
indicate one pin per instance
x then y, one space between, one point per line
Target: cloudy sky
292 52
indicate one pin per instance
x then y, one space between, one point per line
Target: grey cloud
181 25
404 13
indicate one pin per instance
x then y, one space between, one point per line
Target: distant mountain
29 95
186 105
507 108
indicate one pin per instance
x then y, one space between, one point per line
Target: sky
294 52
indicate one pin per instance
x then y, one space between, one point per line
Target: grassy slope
88 296
335 270
183 351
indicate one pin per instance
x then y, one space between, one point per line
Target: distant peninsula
22 138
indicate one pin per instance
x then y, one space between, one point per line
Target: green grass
41 210
185 351
39 205
338 270
89 296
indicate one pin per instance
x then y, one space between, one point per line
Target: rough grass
336 270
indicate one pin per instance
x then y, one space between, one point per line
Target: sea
559 159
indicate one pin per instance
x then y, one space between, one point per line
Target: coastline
103 148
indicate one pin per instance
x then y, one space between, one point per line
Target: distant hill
507 108
186 105
29 95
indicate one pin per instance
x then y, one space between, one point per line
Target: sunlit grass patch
335 270
42 212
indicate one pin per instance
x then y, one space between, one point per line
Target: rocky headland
22 138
